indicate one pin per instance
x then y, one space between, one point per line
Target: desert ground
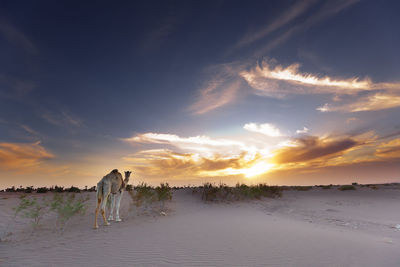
318 227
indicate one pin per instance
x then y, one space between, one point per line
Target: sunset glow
186 93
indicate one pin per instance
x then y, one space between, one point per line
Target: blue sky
166 87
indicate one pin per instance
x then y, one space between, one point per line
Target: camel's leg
103 209
111 218
117 218
97 213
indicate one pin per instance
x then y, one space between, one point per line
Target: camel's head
127 175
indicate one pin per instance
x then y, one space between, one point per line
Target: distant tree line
58 189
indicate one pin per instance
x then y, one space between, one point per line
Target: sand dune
303 228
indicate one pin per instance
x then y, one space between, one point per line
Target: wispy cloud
62 119
16 37
265 128
283 19
29 130
167 25
278 81
14 87
377 101
389 149
220 91
215 95
22 157
201 144
274 80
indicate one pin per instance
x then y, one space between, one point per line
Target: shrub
144 195
147 196
302 188
163 193
346 187
58 189
92 189
73 189
239 192
11 189
66 206
42 190
209 192
327 186
28 189
32 209
129 187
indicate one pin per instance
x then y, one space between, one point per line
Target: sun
257 169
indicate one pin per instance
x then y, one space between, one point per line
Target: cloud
166 163
29 130
305 130
276 81
286 17
311 147
62 119
377 101
389 149
219 91
266 129
14 36
22 157
322 12
203 144
280 81
172 156
223 88
15 88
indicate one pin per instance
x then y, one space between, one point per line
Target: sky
188 92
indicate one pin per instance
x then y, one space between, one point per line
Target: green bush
129 187
346 187
58 189
163 192
302 188
144 195
42 190
32 209
239 192
326 186
73 189
66 206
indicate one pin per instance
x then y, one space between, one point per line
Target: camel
112 184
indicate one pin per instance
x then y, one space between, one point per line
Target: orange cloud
311 147
203 156
22 157
389 149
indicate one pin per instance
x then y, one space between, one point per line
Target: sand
303 228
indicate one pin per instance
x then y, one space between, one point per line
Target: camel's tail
99 191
